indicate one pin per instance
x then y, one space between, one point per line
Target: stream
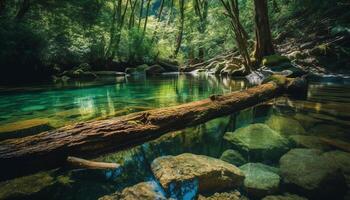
26 111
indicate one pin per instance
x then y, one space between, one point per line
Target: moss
134 122
278 79
274 60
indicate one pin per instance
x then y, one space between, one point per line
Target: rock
21 188
24 128
274 60
145 191
342 160
260 179
108 73
83 67
311 142
233 157
234 195
285 125
259 142
139 70
154 70
284 197
295 55
309 172
184 175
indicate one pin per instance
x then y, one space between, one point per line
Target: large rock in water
234 195
233 157
145 191
285 125
310 173
284 197
183 176
261 180
259 142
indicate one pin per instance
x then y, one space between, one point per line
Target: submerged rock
233 157
234 195
24 128
285 125
145 190
185 175
261 180
259 142
311 142
284 197
309 172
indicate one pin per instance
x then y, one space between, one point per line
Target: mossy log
50 149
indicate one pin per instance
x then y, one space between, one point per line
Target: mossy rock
259 142
285 125
233 157
25 128
274 60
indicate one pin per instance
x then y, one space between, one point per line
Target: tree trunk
141 13
181 27
50 149
263 43
23 9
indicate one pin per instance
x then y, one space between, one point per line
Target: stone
261 180
154 70
285 125
259 142
233 157
233 195
274 60
108 73
342 160
24 128
183 176
310 173
284 197
233 70
139 70
22 187
145 191
311 142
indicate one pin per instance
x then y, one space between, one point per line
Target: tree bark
181 27
263 43
50 149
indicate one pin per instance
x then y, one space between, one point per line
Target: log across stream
50 149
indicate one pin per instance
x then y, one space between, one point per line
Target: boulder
311 142
309 172
342 160
183 176
139 70
279 63
259 142
154 70
285 125
108 73
233 157
234 195
261 180
284 197
145 190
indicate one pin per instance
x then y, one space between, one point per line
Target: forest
175 99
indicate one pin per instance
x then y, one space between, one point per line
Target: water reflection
61 107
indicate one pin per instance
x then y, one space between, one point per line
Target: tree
201 10
181 27
241 36
263 43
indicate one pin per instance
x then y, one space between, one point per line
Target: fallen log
50 149
87 164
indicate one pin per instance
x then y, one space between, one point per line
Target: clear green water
325 113
25 111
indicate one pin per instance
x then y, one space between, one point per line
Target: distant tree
181 27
